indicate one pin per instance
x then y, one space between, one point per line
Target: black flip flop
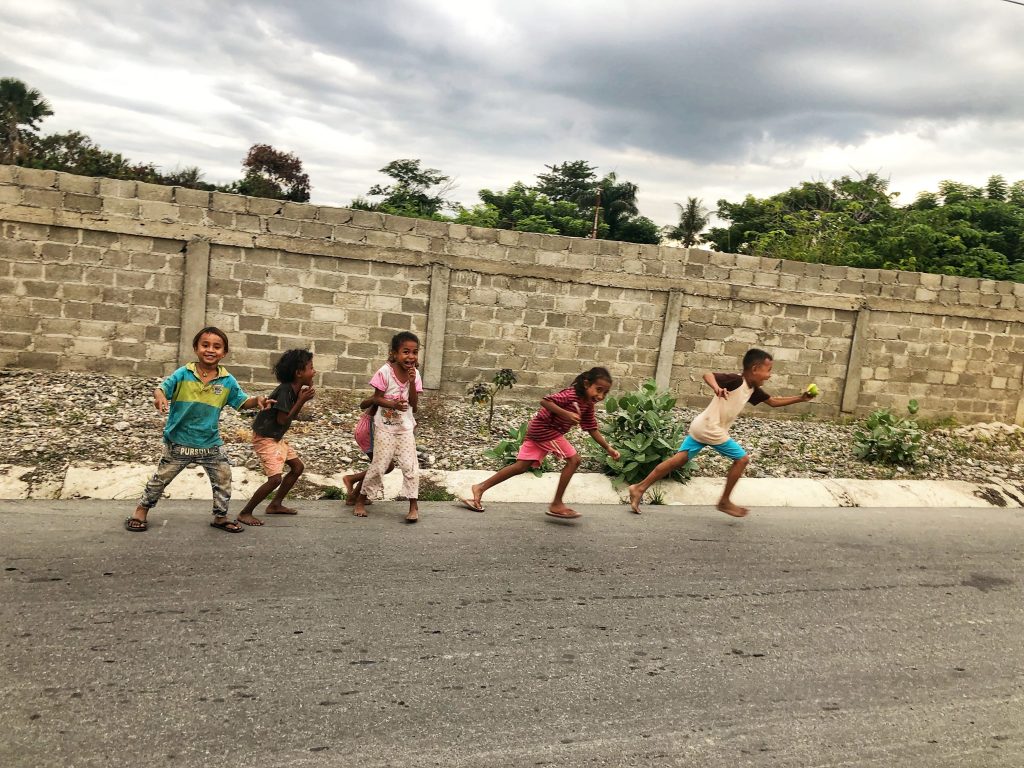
135 525
224 526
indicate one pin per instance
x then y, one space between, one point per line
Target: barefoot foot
279 509
350 491
635 497
248 519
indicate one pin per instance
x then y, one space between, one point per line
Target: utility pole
597 214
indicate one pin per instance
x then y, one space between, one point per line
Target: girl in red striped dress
558 414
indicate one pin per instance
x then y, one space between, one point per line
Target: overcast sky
683 97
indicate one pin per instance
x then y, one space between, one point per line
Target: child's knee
574 461
274 480
297 467
742 462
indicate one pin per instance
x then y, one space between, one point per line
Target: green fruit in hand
812 390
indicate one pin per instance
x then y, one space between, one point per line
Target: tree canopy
959 230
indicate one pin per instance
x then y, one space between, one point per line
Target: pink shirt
391 419
547 426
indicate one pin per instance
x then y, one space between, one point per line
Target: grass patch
333 493
930 424
654 498
431 491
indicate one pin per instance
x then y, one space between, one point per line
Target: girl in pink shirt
545 434
396 389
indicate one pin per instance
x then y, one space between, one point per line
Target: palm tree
693 217
19 106
618 202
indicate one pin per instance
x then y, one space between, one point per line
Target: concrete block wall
809 343
549 331
103 275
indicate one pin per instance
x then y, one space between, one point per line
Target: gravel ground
53 420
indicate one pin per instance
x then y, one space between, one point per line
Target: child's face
761 372
304 376
407 355
210 349
598 390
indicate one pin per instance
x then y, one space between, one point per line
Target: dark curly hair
585 379
400 338
291 362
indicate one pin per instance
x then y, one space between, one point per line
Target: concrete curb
125 481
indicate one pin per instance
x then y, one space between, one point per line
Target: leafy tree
417 192
573 181
272 173
526 210
21 109
693 217
638 229
74 152
958 230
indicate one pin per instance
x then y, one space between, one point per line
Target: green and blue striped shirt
194 416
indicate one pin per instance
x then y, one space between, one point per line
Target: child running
197 393
711 427
295 372
546 434
396 388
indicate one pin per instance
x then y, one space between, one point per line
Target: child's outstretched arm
160 400
599 439
258 401
778 402
711 381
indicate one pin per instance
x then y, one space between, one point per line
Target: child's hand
397 405
574 414
614 454
723 393
160 401
264 403
306 393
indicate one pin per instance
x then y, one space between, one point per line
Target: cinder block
41 198
299 211
35 177
158 210
313 229
198 198
332 216
118 206
157 193
118 188
415 242
222 201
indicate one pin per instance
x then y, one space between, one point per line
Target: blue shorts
730 448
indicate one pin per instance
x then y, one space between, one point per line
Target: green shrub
481 392
889 439
334 493
506 450
643 428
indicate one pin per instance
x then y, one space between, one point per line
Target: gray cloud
491 92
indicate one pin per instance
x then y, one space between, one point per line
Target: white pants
400 449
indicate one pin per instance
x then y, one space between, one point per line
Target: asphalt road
796 637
